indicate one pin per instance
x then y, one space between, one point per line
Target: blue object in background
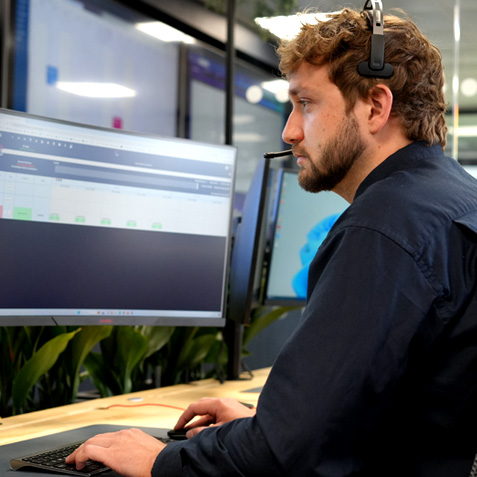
51 75
315 238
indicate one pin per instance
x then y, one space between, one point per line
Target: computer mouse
178 434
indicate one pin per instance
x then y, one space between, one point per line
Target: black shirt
380 377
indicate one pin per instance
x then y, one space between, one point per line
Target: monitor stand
233 335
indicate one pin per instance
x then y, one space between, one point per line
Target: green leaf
157 337
197 350
132 347
183 347
36 366
80 347
262 318
99 373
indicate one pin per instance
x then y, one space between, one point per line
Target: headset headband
376 67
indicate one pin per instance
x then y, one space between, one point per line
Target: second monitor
301 221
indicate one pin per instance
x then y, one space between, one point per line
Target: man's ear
380 102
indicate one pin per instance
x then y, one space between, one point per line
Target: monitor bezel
116 317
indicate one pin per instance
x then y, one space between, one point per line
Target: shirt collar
402 159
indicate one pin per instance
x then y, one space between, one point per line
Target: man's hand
212 411
129 452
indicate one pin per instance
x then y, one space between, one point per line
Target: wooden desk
142 409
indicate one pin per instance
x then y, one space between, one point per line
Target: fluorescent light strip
287 27
95 90
164 32
465 131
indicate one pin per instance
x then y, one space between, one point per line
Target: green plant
262 317
189 350
131 355
40 365
37 367
113 370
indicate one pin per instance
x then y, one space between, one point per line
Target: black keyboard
53 460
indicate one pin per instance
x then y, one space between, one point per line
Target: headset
375 67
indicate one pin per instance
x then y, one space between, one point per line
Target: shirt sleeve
235 448
168 462
331 384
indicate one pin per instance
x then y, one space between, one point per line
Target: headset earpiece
376 67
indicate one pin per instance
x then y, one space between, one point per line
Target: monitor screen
471 169
95 62
257 122
106 226
301 222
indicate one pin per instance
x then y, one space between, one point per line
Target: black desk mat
30 446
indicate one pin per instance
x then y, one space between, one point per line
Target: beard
338 156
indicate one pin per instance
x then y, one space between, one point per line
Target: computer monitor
245 267
301 221
101 226
93 62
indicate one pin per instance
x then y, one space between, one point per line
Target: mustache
299 152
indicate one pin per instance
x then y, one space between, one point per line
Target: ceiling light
254 94
455 84
96 90
275 86
278 87
465 131
287 27
164 32
241 119
248 137
468 87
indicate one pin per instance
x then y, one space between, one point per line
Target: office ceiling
434 17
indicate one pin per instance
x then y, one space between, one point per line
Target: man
379 378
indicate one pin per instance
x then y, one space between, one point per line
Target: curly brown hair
344 41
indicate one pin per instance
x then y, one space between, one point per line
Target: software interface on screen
302 221
111 225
